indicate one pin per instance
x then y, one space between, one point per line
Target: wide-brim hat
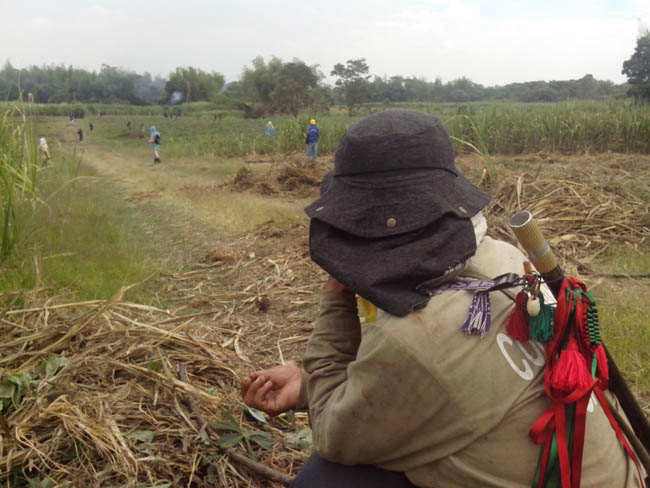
395 213
394 173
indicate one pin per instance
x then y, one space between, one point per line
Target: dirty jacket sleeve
354 388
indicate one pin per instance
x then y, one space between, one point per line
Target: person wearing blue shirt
270 130
311 140
154 140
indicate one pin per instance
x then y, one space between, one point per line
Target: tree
294 87
280 87
637 68
353 82
193 85
257 83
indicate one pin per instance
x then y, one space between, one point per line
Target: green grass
494 128
19 175
88 243
626 261
203 136
623 313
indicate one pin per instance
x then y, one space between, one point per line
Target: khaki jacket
415 394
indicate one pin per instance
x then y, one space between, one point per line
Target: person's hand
274 390
332 284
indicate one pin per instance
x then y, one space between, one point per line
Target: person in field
426 392
43 149
154 140
311 140
270 130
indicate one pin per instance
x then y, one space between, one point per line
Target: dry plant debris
295 176
116 413
582 214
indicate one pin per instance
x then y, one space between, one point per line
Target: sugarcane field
206 276
336 245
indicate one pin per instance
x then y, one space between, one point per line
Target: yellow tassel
368 309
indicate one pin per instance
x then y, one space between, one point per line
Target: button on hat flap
391 223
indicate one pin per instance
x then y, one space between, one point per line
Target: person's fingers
260 393
253 384
248 381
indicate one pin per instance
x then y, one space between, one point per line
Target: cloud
454 38
489 42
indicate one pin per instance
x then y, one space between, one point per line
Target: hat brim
380 206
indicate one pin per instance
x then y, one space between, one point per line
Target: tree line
277 86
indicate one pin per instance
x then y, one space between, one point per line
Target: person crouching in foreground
411 400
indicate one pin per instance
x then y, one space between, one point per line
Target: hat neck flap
388 271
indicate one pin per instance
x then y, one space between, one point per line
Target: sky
491 42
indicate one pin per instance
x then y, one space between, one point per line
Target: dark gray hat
394 172
394 214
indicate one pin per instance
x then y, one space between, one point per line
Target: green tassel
541 326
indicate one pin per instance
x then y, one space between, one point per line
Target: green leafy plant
254 413
232 434
54 364
301 440
145 436
40 483
13 389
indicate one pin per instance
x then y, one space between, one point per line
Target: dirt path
196 188
250 250
250 253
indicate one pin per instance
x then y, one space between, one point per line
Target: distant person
43 149
154 140
311 140
128 124
91 126
80 133
141 126
270 130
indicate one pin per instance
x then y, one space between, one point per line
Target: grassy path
196 188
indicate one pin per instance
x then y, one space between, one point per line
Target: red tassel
517 325
570 372
603 368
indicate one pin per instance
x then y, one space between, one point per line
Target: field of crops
202 130
134 296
